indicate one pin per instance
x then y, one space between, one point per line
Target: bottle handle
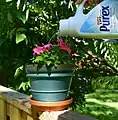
80 8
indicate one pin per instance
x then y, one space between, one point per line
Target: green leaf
9 17
23 86
24 6
20 37
21 16
4 1
18 70
11 33
53 57
38 58
28 83
18 4
49 62
21 29
8 0
27 14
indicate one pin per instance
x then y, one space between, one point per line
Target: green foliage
101 105
20 37
112 54
109 83
25 24
20 82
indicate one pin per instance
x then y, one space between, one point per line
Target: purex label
104 19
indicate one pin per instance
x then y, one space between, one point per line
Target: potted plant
50 74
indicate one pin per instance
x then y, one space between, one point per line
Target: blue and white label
102 19
105 19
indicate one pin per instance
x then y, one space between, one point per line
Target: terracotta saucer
50 106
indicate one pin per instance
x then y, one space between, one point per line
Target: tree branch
100 60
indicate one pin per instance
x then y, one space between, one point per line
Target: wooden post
29 117
15 113
3 113
23 115
8 109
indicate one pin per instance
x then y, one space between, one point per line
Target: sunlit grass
102 105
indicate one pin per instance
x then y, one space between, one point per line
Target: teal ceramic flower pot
51 88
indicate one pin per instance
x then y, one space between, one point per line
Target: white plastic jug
100 22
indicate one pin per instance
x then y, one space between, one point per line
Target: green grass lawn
102 105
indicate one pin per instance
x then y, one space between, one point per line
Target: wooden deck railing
15 106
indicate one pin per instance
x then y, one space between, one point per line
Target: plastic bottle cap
64 28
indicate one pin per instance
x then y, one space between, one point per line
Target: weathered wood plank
23 115
19 100
8 109
35 114
29 117
15 113
3 113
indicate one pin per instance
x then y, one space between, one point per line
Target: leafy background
25 23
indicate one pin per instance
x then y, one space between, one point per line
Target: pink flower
64 46
48 46
38 50
41 49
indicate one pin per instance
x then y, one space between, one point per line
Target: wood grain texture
19 100
3 113
29 117
8 109
15 113
23 115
